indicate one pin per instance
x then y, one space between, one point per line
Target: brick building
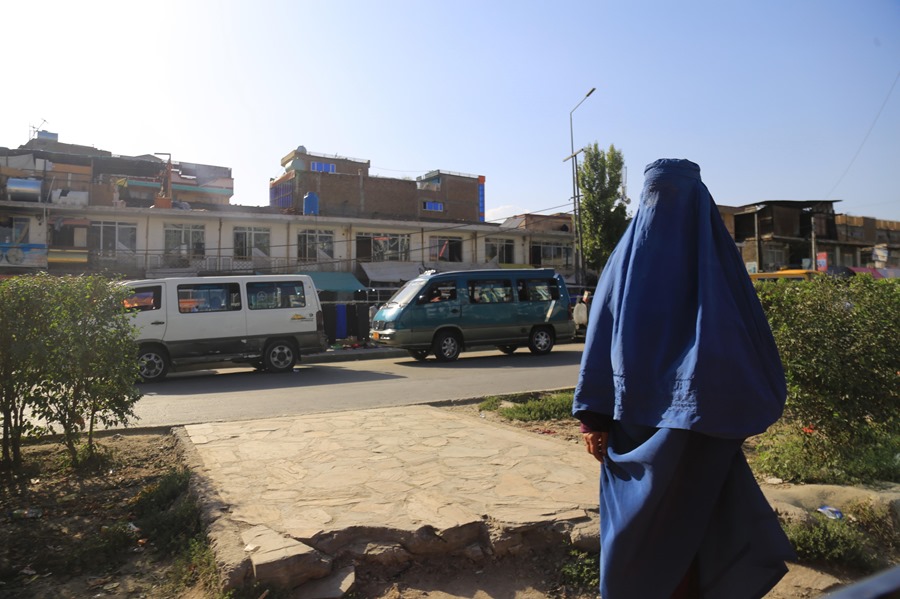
339 186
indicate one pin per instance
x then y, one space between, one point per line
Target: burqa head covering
676 336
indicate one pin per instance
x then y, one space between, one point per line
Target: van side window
494 291
540 290
274 295
144 299
209 297
443 291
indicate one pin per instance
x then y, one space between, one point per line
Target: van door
490 314
285 308
148 311
436 306
205 319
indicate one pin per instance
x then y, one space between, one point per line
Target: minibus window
208 297
495 291
540 290
143 299
444 291
272 295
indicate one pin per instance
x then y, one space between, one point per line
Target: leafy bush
835 542
66 359
838 343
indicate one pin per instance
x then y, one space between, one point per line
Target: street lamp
576 204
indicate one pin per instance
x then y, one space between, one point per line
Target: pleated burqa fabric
679 354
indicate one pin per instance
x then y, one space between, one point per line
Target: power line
871 127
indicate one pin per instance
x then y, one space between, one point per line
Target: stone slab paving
309 495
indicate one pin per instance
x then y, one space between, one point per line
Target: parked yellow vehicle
796 274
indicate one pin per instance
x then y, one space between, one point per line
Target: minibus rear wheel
447 346
280 356
153 363
540 341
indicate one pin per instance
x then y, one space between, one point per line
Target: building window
13 229
433 206
315 246
550 253
184 240
382 247
110 238
250 242
501 249
322 167
446 249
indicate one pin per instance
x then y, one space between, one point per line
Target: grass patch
490 404
580 572
544 406
167 513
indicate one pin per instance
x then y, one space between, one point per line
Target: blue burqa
679 355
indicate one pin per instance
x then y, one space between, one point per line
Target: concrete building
70 209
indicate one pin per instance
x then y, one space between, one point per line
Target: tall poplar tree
604 207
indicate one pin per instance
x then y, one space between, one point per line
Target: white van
266 321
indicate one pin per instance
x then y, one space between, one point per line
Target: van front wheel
280 356
540 341
447 346
153 363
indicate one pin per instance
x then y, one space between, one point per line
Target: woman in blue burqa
679 367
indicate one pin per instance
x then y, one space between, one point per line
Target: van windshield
407 293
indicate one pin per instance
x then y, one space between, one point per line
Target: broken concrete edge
465 401
323 561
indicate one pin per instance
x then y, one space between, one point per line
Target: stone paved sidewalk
297 499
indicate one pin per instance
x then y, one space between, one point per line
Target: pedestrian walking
679 368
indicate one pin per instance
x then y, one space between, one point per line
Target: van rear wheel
540 341
280 356
508 349
447 346
153 363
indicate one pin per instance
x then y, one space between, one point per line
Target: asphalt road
243 394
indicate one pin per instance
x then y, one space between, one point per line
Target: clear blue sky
774 99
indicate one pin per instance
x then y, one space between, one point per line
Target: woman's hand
596 444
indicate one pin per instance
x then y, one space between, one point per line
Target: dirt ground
48 517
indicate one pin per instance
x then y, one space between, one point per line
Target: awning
400 272
335 281
392 272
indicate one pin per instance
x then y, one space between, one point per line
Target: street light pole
576 204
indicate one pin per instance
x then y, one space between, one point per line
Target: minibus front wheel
447 346
280 356
540 341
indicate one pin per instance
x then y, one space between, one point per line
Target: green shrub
837 543
838 342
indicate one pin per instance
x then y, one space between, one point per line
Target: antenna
33 133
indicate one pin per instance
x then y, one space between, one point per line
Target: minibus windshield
407 293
